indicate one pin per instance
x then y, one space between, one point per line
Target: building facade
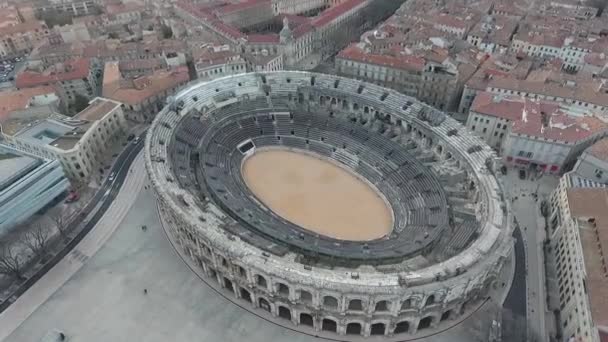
27 184
77 142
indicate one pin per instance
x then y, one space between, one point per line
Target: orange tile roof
335 12
406 62
70 70
599 149
23 27
242 6
142 88
19 99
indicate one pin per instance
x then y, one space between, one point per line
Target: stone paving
105 299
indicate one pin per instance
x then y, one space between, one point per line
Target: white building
579 243
27 184
593 163
531 133
77 142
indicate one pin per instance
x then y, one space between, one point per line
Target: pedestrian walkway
35 296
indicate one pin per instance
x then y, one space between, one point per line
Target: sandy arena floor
317 195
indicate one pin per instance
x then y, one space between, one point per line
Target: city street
527 213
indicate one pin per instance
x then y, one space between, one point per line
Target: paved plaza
105 300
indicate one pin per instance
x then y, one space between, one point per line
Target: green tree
166 32
80 103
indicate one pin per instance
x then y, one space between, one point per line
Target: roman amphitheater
330 204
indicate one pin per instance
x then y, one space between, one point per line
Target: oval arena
329 203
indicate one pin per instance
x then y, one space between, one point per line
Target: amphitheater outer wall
380 302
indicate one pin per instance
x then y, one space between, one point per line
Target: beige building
22 38
78 142
593 163
142 96
578 242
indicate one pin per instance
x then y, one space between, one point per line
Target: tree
80 103
37 240
113 35
55 18
10 263
166 31
60 220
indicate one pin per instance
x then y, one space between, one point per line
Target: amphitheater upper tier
449 234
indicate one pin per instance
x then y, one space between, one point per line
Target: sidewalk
26 304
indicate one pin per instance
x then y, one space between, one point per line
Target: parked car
73 196
131 137
112 176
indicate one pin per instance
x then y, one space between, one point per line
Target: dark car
131 137
522 174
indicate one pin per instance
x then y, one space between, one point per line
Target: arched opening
430 300
242 272
261 281
407 304
284 313
263 303
446 315
402 327
306 297
355 304
425 322
465 306
245 295
378 329
306 319
329 325
283 289
228 284
212 274
353 329
382 306
330 302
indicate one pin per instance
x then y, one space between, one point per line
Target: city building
22 38
73 7
77 76
77 142
27 184
217 62
578 242
593 163
533 133
142 96
300 39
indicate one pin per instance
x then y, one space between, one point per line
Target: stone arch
446 315
406 304
402 327
264 304
353 328
283 289
355 304
378 328
306 319
228 284
382 306
241 271
439 149
330 302
261 281
306 297
430 300
245 295
284 312
425 322
329 325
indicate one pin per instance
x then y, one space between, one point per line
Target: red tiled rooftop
70 70
263 38
19 99
407 62
537 118
334 12
242 6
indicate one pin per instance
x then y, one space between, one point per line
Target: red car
73 196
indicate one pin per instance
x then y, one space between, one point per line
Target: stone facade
408 298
